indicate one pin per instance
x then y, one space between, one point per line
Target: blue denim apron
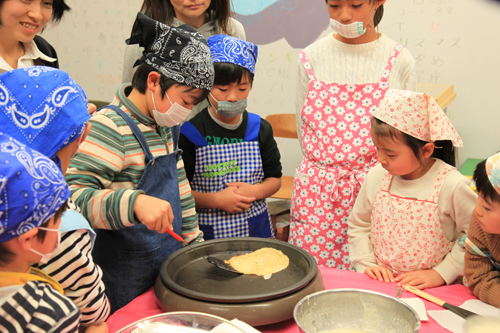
131 257
217 165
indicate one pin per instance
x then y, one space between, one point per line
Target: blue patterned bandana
32 188
179 53
233 50
42 107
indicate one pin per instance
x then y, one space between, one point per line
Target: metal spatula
222 265
455 309
214 261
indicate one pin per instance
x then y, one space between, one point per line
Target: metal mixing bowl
182 322
355 309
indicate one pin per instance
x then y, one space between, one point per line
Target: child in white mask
60 103
231 158
342 79
128 177
33 197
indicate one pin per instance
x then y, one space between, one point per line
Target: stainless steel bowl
354 309
182 322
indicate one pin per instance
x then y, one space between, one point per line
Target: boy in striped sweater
128 176
33 195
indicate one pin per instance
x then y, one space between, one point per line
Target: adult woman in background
208 17
21 21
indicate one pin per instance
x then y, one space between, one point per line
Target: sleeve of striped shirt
191 233
37 307
73 267
92 172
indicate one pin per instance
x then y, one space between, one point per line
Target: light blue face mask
230 109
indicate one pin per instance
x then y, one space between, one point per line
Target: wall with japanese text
453 42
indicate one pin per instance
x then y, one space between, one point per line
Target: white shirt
28 59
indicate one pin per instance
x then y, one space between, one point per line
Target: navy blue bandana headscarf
233 50
32 188
43 108
181 53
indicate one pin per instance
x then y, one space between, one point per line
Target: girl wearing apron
342 79
414 206
230 154
482 244
128 177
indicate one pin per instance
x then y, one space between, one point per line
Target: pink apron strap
391 61
386 181
307 65
442 174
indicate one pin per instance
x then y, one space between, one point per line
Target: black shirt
216 134
48 50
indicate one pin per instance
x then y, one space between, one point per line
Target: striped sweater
110 162
36 307
72 266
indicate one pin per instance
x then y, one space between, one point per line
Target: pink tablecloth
145 305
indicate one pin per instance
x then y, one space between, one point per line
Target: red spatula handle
173 234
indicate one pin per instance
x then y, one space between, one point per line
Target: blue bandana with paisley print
32 188
233 50
43 108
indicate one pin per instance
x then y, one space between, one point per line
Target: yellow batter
262 262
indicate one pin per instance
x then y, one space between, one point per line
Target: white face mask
174 115
46 257
353 30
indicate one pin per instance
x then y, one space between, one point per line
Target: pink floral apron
406 233
338 152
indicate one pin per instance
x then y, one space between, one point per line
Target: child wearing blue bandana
231 158
48 113
33 196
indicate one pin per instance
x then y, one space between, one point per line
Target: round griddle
254 314
188 273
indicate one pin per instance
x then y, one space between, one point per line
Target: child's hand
92 108
422 279
154 213
380 273
231 202
244 189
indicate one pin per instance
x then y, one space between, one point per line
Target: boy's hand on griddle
154 213
421 279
